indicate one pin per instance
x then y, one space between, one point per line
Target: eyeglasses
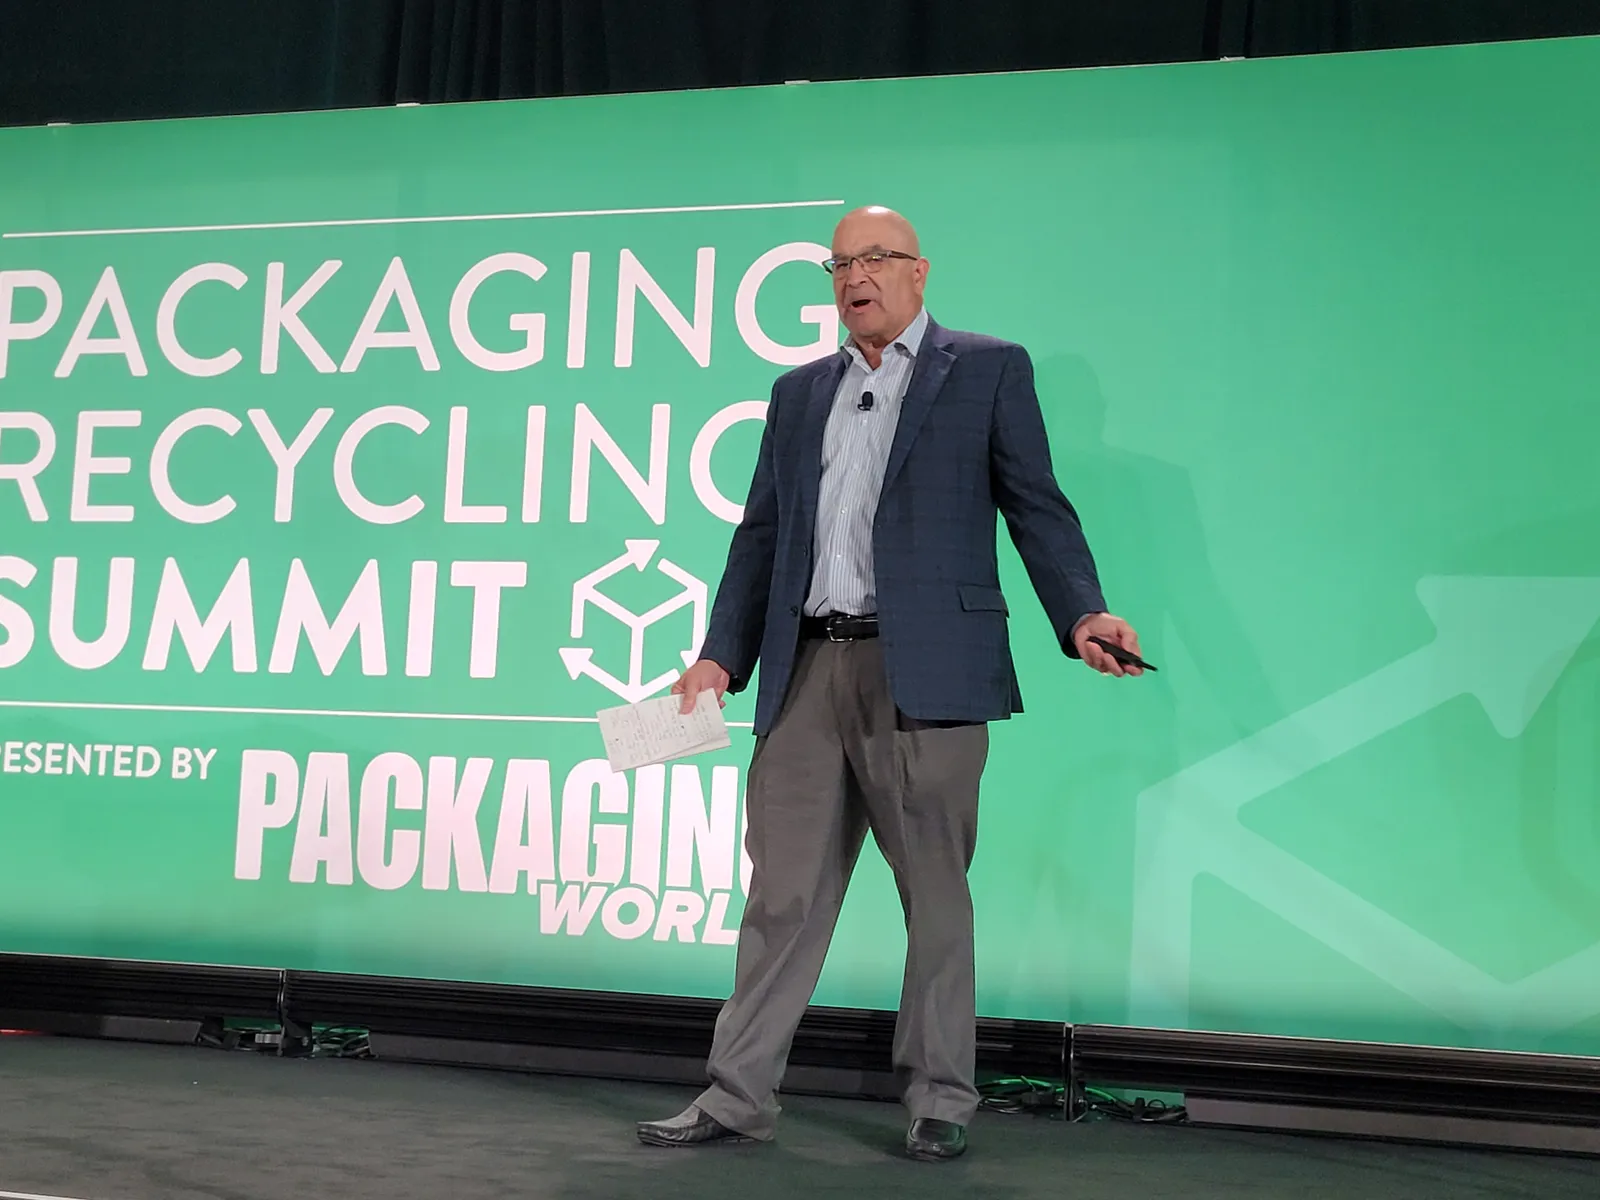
871 262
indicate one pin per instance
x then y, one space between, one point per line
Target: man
863 576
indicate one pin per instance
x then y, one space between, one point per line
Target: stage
94 1120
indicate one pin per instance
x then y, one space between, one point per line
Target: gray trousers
841 758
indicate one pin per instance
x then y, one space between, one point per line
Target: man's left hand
1113 629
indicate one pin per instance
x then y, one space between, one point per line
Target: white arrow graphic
579 660
584 592
1188 824
640 624
695 590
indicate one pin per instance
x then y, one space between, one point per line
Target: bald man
863 577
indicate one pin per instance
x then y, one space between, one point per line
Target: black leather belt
839 627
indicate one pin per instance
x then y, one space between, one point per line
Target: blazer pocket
980 597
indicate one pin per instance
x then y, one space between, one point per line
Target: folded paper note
656 731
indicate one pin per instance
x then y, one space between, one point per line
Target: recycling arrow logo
586 593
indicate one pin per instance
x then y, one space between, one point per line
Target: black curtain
97 60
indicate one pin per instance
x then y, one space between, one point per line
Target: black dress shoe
691 1127
935 1141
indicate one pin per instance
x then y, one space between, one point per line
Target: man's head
877 300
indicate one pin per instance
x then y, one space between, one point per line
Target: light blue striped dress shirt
855 453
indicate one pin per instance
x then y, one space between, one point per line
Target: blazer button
794 610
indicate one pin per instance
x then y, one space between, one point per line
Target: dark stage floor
107 1121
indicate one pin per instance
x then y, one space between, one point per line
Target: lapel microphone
866 402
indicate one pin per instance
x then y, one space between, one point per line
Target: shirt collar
909 341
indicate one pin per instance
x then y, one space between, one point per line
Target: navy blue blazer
970 443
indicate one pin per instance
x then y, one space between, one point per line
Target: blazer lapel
934 360
813 425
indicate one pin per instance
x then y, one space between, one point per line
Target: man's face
877 304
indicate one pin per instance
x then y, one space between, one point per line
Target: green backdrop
312 576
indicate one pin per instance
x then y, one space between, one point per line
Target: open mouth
860 303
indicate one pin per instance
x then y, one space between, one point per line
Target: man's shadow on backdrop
1144 524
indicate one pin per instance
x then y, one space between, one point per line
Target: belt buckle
835 623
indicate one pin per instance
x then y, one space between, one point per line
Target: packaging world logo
579 660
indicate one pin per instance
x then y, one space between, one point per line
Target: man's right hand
704 674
